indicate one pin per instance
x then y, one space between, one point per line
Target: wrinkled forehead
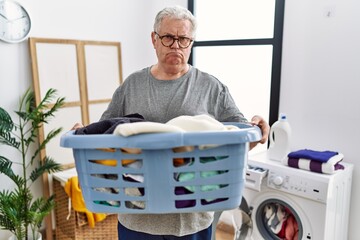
176 26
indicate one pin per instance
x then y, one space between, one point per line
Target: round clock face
14 22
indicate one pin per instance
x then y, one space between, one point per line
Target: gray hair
176 12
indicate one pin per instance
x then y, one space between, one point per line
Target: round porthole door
276 219
277 215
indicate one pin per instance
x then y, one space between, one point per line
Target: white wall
320 82
320 76
127 21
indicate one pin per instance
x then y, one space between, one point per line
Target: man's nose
177 44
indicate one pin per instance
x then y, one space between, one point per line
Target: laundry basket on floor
162 172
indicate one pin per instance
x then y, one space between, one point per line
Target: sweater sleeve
114 108
226 108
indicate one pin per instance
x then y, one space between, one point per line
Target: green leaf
48 138
48 165
40 208
6 127
6 123
5 167
13 211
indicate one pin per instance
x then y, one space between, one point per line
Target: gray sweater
156 100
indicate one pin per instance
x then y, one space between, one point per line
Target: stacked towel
316 161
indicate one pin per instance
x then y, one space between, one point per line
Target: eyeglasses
168 40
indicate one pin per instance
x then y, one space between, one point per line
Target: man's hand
265 130
77 126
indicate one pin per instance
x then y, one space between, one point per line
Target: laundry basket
162 172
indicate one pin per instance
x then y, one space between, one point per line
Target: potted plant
20 212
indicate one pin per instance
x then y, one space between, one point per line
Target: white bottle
280 133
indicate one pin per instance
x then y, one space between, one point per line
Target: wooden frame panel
66 65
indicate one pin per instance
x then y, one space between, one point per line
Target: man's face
173 55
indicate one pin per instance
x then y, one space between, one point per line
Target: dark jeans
127 234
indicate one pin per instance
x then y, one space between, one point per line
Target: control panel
297 185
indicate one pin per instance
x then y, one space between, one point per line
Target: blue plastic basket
207 179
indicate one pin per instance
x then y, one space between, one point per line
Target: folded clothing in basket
316 161
182 124
186 176
135 124
179 124
107 126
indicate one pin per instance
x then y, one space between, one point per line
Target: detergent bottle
280 133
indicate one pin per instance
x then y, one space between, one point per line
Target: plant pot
39 237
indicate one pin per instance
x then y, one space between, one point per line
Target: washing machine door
277 216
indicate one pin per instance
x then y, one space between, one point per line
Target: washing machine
318 204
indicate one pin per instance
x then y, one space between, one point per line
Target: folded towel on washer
320 156
329 167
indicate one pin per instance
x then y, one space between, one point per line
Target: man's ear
153 40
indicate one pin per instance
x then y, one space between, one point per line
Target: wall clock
15 22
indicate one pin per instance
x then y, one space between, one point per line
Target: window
239 42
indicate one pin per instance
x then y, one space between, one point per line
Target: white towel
179 124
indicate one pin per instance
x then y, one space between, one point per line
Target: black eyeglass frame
173 40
